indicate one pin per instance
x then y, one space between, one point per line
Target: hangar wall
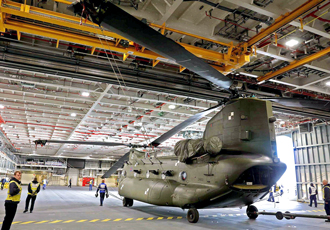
312 159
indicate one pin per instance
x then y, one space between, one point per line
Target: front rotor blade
182 125
43 142
116 166
124 24
302 103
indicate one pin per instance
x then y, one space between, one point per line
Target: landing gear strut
252 212
192 215
127 202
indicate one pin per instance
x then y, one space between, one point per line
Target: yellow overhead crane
66 28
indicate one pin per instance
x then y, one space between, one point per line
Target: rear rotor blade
116 166
124 24
302 103
182 125
43 142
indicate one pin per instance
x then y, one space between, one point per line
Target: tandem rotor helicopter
233 165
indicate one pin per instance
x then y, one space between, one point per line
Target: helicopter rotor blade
182 125
43 142
120 22
302 103
116 166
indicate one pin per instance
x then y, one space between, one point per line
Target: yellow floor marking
68 221
16 222
150 218
94 220
314 211
238 214
106 220
214 216
308 211
160 218
170 218
128 219
118 219
206 216
28 222
230 215
139 219
44 221
55 221
79 221
179 217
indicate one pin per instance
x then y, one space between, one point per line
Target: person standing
69 183
12 200
91 185
44 184
326 198
33 189
103 190
312 195
271 195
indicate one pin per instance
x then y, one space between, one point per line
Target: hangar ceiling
62 89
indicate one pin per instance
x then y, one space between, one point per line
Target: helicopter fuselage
232 179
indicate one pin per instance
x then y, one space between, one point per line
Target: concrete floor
77 208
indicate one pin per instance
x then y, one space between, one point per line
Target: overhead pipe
294 65
283 20
234 11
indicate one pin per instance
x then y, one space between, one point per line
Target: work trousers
27 202
327 208
313 198
10 214
90 187
69 185
2 186
271 197
44 186
102 198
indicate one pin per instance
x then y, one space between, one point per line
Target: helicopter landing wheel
127 202
192 215
252 212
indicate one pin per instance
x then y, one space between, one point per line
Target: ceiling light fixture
328 83
2 106
73 114
292 42
85 94
171 106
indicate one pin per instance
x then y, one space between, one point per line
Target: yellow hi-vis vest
17 197
34 188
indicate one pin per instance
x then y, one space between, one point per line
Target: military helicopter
233 165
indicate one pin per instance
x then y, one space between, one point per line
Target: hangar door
312 158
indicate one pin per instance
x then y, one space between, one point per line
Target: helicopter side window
123 173
183 175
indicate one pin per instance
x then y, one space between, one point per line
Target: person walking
91 185
12 200
312 195
3 181
326 198
69 183
44 184
33 189
103 190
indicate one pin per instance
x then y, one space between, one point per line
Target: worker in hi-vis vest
312 195
12 200
33 189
